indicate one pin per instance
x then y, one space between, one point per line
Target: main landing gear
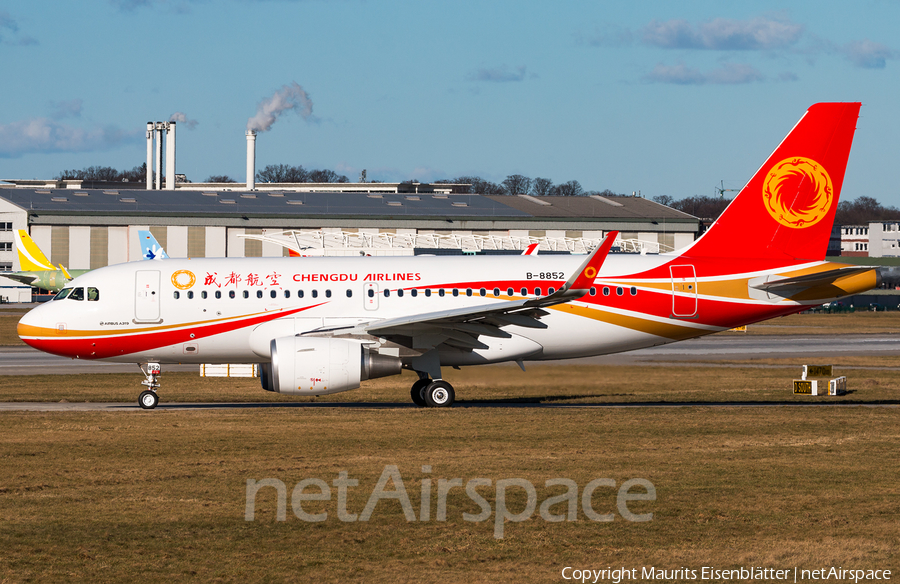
148 398
432 393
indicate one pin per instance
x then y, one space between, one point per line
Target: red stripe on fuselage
105 347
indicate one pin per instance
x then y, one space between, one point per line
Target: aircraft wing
461 327
22 277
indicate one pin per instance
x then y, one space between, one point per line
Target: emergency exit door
684 291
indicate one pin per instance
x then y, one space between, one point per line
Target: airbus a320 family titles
322 325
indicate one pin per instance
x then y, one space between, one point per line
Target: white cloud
44 135
868 54
723 34
681 74
502 74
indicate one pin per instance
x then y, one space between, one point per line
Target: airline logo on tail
798 192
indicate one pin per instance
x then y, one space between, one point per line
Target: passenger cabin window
218 293
537 292
349 293
287 293
273 293
176 294
246 294
428 293
400 292
482 292
509 291
299 293
203 295
593 291
77 294
258 294
371 293
190 294
524 291
328 294
231 294
414 292
634 291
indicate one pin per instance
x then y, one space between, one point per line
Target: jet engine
319 366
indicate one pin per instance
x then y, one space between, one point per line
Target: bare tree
541 187
220 178
568 189
105 174
326 176
664 200
517 184
282 173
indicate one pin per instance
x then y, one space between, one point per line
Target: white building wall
215 242
177 241
235 243
117 244
79 247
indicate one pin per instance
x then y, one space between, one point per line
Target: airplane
37 270
150 248
323 325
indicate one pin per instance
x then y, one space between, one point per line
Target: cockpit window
76 294
93 294
62 293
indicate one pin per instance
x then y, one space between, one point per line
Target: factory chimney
150 128
170 156
251 160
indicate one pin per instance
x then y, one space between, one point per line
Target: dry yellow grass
160 496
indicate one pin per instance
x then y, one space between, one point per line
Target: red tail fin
787 209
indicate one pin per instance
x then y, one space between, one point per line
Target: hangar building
88 228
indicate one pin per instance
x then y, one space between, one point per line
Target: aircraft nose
30 326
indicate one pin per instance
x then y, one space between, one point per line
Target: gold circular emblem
797 192
183 279
590 272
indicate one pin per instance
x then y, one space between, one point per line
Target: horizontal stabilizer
809 280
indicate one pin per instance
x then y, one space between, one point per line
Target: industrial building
91 228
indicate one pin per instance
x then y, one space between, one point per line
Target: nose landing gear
148 398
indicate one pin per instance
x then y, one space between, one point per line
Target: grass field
161 495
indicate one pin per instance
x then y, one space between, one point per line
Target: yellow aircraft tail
31 258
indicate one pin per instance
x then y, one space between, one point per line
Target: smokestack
170 156
149 155
159 141
251 160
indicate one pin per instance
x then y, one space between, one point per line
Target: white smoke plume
181 118
289 97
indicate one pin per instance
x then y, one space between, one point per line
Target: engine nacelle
319 366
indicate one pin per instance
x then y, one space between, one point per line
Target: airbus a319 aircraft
322 325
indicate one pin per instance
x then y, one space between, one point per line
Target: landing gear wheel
417 393
439 394
148 400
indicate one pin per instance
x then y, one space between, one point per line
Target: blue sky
662 97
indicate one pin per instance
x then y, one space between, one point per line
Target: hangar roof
292 204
